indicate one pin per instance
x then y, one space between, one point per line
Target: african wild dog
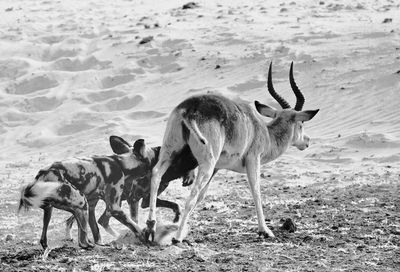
224 134
76 185
136 189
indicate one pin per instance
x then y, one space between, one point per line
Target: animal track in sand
248 85
177 44
32 84
112 81
54 54
13 68
104 95
52 39
38 104
368 140
144 115
68 64
118 104
74 127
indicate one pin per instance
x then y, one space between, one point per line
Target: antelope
224 134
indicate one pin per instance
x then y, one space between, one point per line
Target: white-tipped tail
192 126
33 194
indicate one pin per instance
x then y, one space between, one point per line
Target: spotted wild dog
136 189
75 185
225 134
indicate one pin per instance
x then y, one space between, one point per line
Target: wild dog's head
133 158
293 116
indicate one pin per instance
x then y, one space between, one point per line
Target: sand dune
72 73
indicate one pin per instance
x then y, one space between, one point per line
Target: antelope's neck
280 136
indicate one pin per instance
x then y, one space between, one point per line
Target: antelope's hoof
149 231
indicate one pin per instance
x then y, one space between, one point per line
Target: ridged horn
284 104
299 96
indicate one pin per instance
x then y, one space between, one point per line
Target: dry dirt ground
346 221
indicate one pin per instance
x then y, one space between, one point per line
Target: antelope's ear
265 110
119 145
303 116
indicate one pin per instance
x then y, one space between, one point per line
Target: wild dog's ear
141 149
303 116
265 110
119 145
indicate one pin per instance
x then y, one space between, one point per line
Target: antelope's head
294 117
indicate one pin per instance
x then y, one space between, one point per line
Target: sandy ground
72 73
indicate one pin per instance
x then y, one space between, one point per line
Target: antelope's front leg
253 174
157 172
150 229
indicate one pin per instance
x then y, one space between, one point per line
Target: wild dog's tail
34 194
192 126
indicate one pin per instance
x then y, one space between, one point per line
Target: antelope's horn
299 96
284 104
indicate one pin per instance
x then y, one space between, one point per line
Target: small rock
289 225
10 237
387 20
190 5
217 66
146 40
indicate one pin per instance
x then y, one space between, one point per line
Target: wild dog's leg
104 221
113 194
92 221
134 209
46 220
81 216
199 188
157 172
253 174
68 226
164 204
188 178
72 200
